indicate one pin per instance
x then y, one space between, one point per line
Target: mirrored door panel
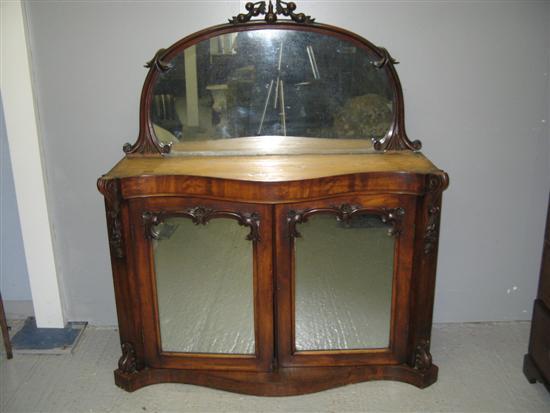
343 283
204 282
343 269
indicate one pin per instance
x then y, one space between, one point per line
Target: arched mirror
272 91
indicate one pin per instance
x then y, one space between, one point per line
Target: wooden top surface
273 168
272 145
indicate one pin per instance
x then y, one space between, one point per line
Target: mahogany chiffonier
273 230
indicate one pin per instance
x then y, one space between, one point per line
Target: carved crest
267 9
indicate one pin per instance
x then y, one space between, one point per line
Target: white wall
475 77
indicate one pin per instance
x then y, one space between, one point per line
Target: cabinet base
283 382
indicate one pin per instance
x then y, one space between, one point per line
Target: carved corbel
110 188
437 182
127 363
422 356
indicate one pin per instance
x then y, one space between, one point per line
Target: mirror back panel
272 90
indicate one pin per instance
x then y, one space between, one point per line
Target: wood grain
273 168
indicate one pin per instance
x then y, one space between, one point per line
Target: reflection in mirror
205 283
272 91
343 283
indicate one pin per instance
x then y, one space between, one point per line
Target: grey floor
480 371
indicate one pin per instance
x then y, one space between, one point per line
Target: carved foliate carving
423 358
345 213
128 362
431 235
110 188
435 184
271 12
201 216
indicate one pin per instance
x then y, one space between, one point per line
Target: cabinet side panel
424 270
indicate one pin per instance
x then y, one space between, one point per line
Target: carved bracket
422 357
397 140
201 216
146 145
128 362
386 59
271 12
158 63
345 213
110 189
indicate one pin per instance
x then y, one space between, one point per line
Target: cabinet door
205 271
343 280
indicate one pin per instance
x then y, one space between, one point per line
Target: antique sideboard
273 230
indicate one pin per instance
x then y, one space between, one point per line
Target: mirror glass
272 91
204 277
343 283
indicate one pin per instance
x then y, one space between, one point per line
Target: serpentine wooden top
274 168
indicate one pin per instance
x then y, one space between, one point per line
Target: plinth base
282 382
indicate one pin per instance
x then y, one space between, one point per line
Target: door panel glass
343 283
204 276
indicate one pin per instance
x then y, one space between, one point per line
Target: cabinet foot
283 382
532 372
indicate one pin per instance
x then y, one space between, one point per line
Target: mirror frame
147 143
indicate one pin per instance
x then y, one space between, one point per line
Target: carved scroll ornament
385 60
345 214
158 63
201 216
431 235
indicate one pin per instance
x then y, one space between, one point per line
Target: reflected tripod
279 95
